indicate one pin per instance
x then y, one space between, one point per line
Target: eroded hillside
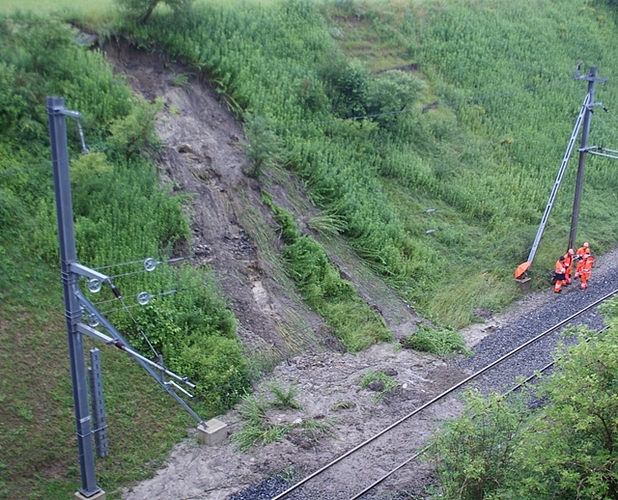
233 231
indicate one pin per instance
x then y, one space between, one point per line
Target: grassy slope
480 57
84 7
486 157
34 302
37 440
38 454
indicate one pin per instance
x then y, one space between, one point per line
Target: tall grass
46 6
487 155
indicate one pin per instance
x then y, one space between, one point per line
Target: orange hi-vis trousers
586 272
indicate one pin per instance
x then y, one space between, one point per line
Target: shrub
265 148
441 342
384 384
475 454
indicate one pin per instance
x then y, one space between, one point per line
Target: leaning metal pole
66 237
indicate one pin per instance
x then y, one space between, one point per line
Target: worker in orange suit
559 274
586 270
569 257
579 256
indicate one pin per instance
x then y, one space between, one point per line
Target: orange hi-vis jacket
568 260
580 254
560 269
581 251
588 263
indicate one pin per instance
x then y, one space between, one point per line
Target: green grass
441 342
45 6
39 452
387 383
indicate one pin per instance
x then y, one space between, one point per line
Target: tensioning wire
611 129
160 294
168 261
607 111
139 328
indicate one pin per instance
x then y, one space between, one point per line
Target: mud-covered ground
204 156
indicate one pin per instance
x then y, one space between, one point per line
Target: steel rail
424 450
444 394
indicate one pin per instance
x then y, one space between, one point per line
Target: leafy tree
475 454
390 93
567 450
347 84
572 451
139 11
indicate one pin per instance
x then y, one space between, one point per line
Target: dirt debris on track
204 155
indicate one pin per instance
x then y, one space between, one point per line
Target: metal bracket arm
61 110
95 334
82 270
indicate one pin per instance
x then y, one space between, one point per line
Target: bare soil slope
233 231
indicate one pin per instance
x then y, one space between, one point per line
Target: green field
43 6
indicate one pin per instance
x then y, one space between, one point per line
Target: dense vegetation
122 216
502 449
473 124
485 155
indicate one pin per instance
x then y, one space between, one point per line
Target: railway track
391 451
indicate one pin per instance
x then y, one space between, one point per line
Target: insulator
115 291
85 149
94 285
143 298
150 264
93 321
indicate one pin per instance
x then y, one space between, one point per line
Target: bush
265 148
441 342
475 454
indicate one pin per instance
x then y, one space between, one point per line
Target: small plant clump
441 342
260 430
379 382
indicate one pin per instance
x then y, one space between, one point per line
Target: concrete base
99 495
213 433
523 284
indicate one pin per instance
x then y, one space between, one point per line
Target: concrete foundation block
523 284
212 433
99 495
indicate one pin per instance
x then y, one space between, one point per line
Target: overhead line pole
66 238
579 183
211 432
